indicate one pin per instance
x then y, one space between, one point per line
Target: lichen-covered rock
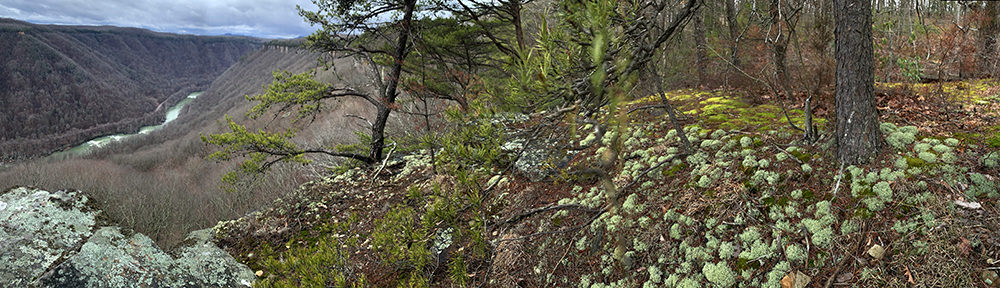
536 159
52 240
111 259
203 264
37 228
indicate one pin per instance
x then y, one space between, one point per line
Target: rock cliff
55 239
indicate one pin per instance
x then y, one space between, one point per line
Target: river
85 148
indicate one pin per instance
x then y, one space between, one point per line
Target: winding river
85 148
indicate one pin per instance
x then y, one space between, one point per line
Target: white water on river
85 148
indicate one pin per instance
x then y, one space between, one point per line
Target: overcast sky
262 18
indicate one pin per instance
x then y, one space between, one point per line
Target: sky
259 18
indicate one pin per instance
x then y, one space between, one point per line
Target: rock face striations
54 240
62 85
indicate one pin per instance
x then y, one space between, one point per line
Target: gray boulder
38 228
51 240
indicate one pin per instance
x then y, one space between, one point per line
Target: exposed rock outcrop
54 240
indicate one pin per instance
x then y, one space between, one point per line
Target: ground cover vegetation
577 159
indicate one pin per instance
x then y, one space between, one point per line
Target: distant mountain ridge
62 85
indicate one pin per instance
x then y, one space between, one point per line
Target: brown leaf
965 246
909 276
845 277
795 279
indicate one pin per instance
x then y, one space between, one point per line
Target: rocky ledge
53 239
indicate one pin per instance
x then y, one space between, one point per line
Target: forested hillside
61 85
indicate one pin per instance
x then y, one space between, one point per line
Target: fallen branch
530 213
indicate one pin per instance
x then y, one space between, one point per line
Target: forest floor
751 206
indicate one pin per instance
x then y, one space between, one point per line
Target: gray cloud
263 18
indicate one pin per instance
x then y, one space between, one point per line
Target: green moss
673 170
994 141
914 162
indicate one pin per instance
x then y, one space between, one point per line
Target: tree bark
389 99
780 47
858 135
989 31
699 40
734 34
515 19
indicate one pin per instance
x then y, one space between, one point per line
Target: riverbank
87 147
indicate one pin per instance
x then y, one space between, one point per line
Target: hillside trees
858 135
431 58
484 16
376 33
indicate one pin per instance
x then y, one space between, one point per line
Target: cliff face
61 85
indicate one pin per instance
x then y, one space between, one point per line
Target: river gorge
85 148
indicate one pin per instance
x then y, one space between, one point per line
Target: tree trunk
989 31
734 34
389 99
780 47
515 16
699 40
858 135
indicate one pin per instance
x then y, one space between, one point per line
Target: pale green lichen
927 157
883 191
991 160
719 274
795 253
726 250
779 271
704 181
848 227
675 231
922 147
951 142
655 275
41 230
941 148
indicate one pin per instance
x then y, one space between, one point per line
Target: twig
521 216
384 161
840 265
789 154
839 176
359 117
646 107
636 180
569 246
